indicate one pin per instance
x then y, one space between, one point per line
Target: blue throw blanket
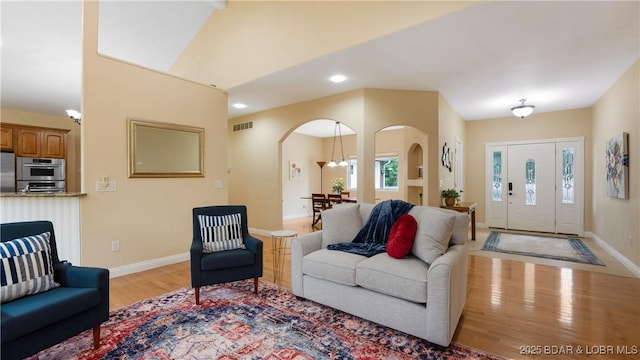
372 238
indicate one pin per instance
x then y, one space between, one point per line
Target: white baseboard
147 265
635 269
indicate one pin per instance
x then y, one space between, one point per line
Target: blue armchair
35 322
208 268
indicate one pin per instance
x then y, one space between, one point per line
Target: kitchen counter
42 194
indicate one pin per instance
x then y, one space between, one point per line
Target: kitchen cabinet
53 144
6 138
28 141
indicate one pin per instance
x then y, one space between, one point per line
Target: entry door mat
565 249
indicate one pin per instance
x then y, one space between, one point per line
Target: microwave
40 169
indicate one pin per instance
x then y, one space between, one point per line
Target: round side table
279 247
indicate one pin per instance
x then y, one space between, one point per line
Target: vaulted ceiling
558 55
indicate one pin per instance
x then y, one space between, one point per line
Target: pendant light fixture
522 110
337 132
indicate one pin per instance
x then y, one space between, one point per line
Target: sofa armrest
300 247
81 276
85 277
255 246
446 294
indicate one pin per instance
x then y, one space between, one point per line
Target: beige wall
311 149
258 38
57 122
256 153
150 217
255 177
616 220
551 125
418 109
305 151
451 127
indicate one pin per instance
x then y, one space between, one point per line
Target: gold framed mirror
159 149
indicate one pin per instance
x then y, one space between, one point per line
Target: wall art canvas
618 166
295 170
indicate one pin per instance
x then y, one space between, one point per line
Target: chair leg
96 336
255 286
197 291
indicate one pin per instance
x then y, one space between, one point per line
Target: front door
536 186
531 187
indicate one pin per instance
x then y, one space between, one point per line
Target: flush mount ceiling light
337 78
239 106
522 110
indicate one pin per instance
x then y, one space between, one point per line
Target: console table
469 208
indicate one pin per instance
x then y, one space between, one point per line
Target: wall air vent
243 126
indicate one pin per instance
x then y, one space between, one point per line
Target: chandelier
337 132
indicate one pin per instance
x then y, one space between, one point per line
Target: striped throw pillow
26 267
220 233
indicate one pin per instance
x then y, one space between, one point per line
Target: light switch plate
110 186
218 184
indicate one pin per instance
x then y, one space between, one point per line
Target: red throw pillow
401 236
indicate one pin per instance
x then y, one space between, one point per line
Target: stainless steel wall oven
40 174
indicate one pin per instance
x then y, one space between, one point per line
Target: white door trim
579 172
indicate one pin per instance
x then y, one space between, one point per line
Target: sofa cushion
434 231
340 224
227 259
460 235
403 278
332 265
222 232
26 267
33 312
365 211
401 236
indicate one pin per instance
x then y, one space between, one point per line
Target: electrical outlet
115 245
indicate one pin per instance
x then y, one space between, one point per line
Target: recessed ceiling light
239 105
338 78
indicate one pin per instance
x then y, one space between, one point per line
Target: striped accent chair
222 249
58 301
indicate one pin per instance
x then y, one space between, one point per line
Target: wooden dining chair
319 204
333 199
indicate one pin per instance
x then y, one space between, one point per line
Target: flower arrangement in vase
337 185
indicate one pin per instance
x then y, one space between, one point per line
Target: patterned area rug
233 323
565 249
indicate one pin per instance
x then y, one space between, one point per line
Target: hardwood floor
513 309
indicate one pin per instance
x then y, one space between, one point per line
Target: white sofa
424 299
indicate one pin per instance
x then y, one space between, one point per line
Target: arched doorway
303 150
400 164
